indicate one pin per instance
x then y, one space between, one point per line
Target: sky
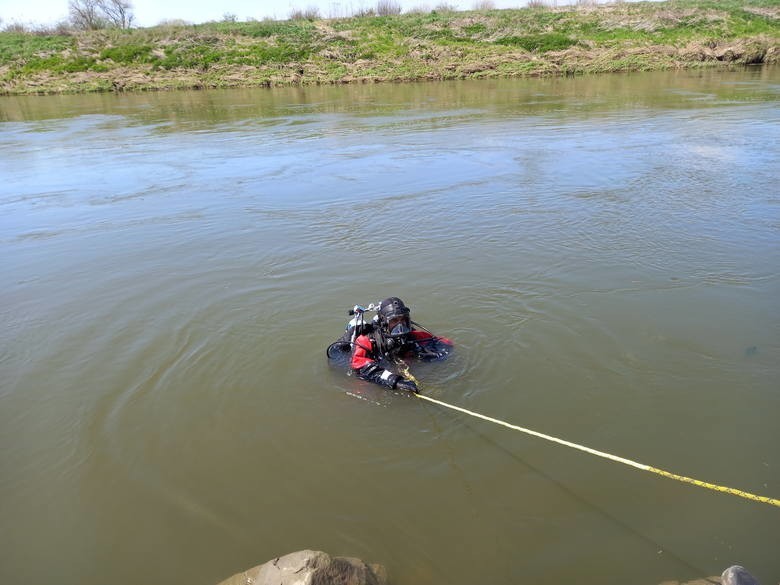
151 12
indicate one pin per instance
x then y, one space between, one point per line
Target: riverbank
436 45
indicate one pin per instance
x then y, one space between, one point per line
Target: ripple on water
172 374
605 273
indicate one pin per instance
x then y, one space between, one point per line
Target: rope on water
642 466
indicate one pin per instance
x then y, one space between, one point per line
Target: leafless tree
118 13
96 14
85 14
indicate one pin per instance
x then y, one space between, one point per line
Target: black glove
404 384
429 354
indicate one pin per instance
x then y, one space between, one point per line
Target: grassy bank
406 47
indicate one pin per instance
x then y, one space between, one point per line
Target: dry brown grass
768 11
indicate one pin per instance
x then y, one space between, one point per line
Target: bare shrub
174 23
444 7
62 29
311 13
484 5
39 30
388 8
537 4
15 27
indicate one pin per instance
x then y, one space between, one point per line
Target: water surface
605 252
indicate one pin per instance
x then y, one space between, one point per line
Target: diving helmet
394 317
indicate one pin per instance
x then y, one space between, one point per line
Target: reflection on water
603 250
442 102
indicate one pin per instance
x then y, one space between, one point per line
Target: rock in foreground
309 567
737 575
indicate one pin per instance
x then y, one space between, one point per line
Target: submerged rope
642 466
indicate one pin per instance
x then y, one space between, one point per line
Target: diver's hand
429 354
404 384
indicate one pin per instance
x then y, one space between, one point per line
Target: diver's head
394 318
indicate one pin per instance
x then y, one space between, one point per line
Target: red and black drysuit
371 347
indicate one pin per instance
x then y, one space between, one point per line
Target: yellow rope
642 466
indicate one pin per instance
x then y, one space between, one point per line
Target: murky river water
604 251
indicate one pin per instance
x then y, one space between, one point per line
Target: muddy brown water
604 251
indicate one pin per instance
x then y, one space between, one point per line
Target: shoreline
493 44
144 80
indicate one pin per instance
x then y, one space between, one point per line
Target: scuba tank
358 326
355 327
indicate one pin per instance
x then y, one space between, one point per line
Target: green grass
128 54
17 47
301 30
432 45
539 42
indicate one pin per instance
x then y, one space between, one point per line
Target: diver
379 345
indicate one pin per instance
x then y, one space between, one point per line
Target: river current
604 251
